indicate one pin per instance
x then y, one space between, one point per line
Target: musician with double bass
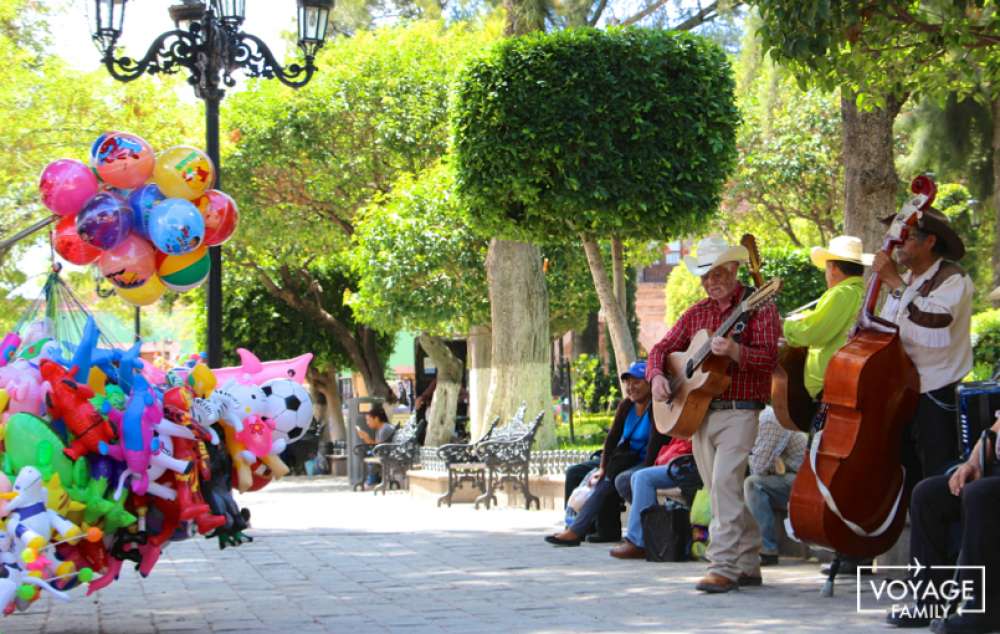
824 329
723 441
932 305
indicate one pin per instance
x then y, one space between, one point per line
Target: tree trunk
371 367
519 313
478 361
996 193
614 310
325 383
618 273
441 415
870 178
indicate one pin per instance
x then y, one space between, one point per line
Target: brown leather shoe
628 550
716 584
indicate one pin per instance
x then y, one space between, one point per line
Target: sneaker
768 560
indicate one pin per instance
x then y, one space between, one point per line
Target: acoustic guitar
696 376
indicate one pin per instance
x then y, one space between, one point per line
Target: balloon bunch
146 221
106 459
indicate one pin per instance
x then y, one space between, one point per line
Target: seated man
381 432
641 492
629 444
970 500
774 460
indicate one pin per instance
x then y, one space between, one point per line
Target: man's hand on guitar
885 267
726 347
661 388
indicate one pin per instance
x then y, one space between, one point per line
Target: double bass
850 493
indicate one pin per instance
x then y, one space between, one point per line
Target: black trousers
937 517
609 519
930 441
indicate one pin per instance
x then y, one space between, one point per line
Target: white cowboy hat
844 248
713 251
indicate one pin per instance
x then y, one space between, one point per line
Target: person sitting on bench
969 500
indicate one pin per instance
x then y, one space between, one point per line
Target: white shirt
942 354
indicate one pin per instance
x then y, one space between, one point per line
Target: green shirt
824 329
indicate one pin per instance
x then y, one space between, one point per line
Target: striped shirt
751 378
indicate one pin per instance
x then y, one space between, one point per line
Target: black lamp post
209 44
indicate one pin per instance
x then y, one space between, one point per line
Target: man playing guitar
723 441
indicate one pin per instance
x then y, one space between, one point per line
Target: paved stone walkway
329 560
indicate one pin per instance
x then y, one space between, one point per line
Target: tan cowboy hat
843 248
713 251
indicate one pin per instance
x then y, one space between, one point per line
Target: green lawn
589 431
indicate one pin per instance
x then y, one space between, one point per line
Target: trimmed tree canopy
625 132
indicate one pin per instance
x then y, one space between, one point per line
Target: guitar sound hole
689 369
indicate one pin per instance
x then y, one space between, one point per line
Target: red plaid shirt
758 346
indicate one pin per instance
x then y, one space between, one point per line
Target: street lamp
208 43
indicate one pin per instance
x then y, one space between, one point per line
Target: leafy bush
595 132
593 388
683 290
985 343
801 281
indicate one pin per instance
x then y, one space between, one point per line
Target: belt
720 404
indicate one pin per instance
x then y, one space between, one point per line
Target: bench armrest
457 452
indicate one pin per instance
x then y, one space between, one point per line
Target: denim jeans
644 483
763 493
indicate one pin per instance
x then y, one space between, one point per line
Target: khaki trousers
721 447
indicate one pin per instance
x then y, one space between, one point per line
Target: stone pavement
329 560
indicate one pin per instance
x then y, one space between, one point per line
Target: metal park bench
507 456
463 462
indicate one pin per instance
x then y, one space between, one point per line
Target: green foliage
589 431
985 343
419 265
302 163
594 390
625 132
977 231
802 282
683 290
789 176
252 318
907 46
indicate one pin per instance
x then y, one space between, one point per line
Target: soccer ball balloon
290 407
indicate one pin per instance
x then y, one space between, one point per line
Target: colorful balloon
220 214
183 172
176 226
69 246
141 201
122 160
143 295
130 263
181 273
66 185
104 221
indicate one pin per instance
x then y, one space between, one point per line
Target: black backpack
666 529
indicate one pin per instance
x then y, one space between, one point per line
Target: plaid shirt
751 378
773 442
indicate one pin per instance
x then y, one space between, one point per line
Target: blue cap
636 370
